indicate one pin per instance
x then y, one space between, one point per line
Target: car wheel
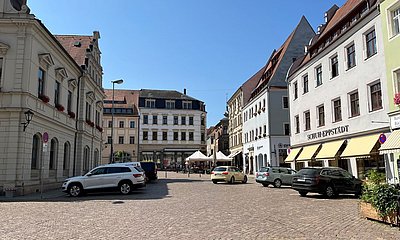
277 183
232 180
329 191
265 184
303 193
215 182
125 187
244 179
75 189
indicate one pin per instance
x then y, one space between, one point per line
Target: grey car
277 176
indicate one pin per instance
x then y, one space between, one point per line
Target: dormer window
170 104
150 103
187 105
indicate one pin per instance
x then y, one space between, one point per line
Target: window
1 69
57 93
165 120
396 80
337 110
67 154
351 56
145 119
187 105
305 84
354 104
191 136
190 120
175 120
145 135
295 90
69 102
170 104
376 96
285 102
131 140
165 136
132 124
154 135
297 123
120 140
307 120
53 154
286 129
175 136
395 15
370 42
334 67
110 124
97 118
150 103
36 145
321 116
318 75
41 74
155 120
183 136
183 120
109 139
88 111
121 124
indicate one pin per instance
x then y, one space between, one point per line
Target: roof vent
77 44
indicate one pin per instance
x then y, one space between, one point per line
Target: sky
208 47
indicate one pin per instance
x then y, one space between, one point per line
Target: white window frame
390 20
150 103
365 46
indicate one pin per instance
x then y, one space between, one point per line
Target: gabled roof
164 94
131 97
76 46
250 84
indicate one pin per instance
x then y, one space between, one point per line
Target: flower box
60 107
397 99
71 114
44 98
99 128
90 122
369 212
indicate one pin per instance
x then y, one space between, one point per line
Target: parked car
277 176
329 181
150 170
227 174
121 176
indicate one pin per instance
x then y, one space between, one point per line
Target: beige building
59 80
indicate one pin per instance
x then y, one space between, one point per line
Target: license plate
301 180
218 174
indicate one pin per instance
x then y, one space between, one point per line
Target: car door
95 178
240 175
113 177
285 176
349 182
338 180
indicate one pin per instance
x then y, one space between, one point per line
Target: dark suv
150 170
329 181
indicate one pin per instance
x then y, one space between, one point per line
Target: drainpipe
76 124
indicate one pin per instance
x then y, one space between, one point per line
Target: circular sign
45 137
288 151
382 138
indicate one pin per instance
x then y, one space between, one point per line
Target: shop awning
392 144
360 146
329 150
232 155
308 152
293 154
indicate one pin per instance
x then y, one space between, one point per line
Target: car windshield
308 171
263 169
220 169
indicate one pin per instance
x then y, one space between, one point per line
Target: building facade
218 140
390 12
337 93
39 74
172 127
266 115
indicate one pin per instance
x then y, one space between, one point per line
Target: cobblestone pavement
178 207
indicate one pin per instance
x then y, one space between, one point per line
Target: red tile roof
76 46
250 84
131 97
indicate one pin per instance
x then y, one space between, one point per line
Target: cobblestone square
182 207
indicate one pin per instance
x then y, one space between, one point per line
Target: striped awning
293 154
360 146
329 150
308 152
392 144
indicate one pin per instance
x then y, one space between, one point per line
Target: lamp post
112 119
28 118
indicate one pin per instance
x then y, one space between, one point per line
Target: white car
122 176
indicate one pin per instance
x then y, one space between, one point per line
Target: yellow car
228 174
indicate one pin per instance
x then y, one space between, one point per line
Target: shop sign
329 132
395 122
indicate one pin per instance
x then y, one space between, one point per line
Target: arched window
67 154
53 154
86 158
36 149
96 157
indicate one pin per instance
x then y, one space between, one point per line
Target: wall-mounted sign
395 122
329 132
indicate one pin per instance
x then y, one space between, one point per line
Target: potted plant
44 98
378 199
89 122
99 128
71 114
397 99
60 107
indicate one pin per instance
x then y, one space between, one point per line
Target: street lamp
28 118
112 119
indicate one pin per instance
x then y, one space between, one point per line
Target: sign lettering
329 132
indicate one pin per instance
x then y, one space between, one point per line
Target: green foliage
379 194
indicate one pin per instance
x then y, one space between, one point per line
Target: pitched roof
76 46
131 97
250 84
164 94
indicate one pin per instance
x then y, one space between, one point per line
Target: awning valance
360 146
392 144
329 150
308 152
234 154
293 154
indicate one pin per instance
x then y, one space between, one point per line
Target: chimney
184 91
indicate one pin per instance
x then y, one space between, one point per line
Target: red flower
60 107
71 114
90 122
44 98
397 99
99 128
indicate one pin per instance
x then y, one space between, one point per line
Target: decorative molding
90 96
45 60
3 48
61 73
72 83
99 104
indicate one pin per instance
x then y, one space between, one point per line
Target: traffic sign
45 137
382 138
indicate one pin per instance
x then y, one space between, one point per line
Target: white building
266 114
337 93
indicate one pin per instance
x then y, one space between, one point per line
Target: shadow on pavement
153 190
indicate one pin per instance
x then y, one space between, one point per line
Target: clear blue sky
209 47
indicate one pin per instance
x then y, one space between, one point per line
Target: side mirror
89 174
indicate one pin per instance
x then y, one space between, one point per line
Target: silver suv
277 176
121 176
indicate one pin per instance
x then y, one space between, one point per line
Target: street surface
182 207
